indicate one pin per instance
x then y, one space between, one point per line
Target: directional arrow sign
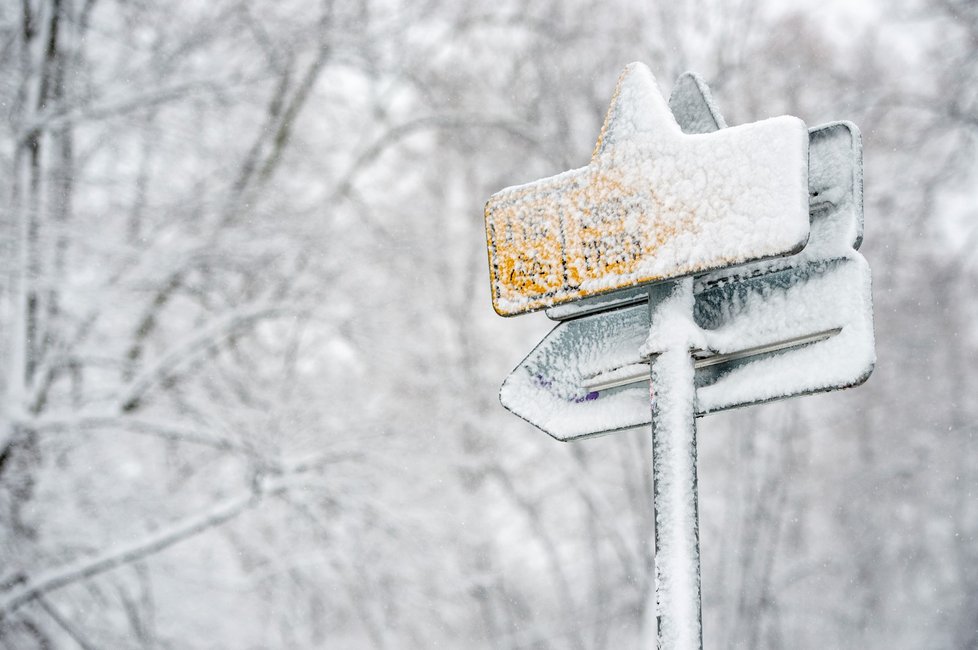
795 331
653 204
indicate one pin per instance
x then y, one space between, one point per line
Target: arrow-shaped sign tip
637 106
692 105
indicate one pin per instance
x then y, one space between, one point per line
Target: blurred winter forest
249 366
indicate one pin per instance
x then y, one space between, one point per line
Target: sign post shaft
677 561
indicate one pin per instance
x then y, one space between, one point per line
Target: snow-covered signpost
743 250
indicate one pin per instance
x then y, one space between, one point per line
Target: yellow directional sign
652 204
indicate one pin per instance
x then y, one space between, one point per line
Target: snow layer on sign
835 187
695 111
548 390
819 299
654 203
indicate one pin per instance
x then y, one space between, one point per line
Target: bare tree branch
70 628
185 351
151 544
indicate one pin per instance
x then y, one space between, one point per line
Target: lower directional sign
794 331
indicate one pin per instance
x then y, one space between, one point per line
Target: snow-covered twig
142 426
426 123
65 624
189 349
38 586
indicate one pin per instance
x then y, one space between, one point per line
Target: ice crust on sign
654 203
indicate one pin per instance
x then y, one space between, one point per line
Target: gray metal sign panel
791 332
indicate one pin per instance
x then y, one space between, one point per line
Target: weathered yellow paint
539 255
525 234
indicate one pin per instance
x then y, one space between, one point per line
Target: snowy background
249 364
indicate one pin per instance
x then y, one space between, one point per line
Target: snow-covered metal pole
672 336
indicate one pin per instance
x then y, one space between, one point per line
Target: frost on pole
654 203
